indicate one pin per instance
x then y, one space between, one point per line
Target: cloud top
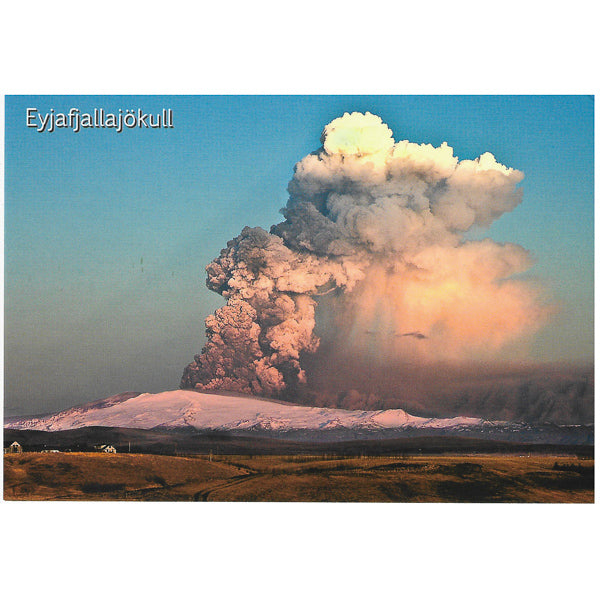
357 134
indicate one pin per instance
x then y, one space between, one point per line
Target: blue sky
107 235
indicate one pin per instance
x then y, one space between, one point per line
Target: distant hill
189 441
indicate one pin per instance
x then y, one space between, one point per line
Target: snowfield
187 408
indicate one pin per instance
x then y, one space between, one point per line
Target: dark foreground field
497 478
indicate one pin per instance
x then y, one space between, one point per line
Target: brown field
491 478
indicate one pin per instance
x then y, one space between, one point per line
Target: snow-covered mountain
186 408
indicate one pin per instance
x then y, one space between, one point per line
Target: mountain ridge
224 412
236 414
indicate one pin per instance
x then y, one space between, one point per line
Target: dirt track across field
477 478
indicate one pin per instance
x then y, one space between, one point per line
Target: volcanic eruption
372 260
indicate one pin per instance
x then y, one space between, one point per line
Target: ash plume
371 261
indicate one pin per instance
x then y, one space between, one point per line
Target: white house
15 447
106 448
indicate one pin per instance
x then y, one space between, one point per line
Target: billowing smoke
371 261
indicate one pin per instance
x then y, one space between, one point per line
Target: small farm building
106 448
15 447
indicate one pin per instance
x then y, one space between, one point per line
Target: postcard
299 298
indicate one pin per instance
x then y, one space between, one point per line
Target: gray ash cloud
371 259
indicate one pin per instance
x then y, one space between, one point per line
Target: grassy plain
476 478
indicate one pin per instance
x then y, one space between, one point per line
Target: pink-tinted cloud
373 244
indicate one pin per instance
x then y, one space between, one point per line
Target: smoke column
372 255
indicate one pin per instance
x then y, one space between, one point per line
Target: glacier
222 412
